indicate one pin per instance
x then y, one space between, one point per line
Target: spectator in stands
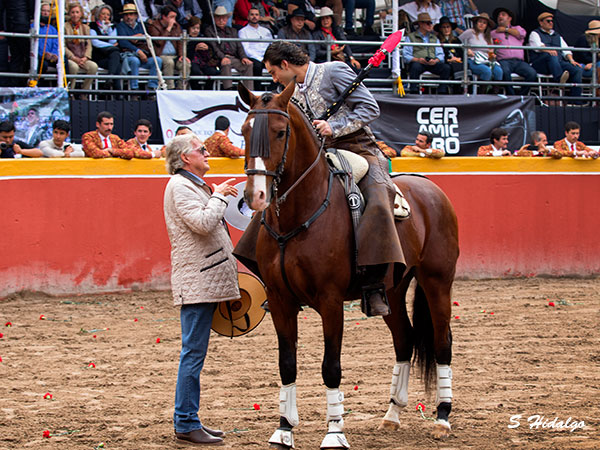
79 51
511 60
425 59
35 130
422 147
482 61
327 30
102 143
230 54
296 30
584 59
350 6
9 148
186 9
219 144
498 144
570 144
416 8
538 147
308 9
148 10
551 62
169 51
268 13
136 51
139 142
255 50
456 10
48 47
117 9
204 61
56 147
183 130
18 18
453 56
106 53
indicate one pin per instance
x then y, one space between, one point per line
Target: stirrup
401 206
367 291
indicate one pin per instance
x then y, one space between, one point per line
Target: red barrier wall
91 226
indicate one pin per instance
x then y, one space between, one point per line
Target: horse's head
266 132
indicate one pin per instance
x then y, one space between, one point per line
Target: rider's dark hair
279 51
428 136
497 133
572 126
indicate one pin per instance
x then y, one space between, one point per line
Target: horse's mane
306 118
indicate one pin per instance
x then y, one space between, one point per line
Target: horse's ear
284 98
248 97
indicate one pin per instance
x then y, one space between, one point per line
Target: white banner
199 110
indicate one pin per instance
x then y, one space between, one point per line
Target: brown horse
305 254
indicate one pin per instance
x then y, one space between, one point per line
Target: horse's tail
424 355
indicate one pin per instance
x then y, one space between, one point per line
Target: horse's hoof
389 425
441 429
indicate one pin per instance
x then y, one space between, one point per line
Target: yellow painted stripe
112 166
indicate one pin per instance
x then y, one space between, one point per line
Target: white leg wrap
287 404
399 388
335 404
444 384
282 437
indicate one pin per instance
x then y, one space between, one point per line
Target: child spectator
56 147
139 143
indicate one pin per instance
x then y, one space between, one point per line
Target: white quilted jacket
203 268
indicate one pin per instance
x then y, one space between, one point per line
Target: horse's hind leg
400 326
286 325
437 290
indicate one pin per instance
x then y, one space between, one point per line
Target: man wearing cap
138 53
511 60
255 50
585 58
203 272
230 54
219 145
559 64
317 86
425 59
296 30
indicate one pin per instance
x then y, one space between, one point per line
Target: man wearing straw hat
583 58
203 272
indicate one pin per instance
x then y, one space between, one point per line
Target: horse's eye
280 134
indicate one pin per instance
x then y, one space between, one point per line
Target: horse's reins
283 239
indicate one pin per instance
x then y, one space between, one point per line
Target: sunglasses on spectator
549 20
427 22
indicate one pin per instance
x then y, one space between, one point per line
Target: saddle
348 162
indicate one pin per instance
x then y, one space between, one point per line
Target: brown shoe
198 437
378 305
215 433
564 77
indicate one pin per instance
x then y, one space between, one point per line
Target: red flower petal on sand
0 358
356 388
94 336
1 335
457 317
8 324
492 313
420 407
158 340
46 434
256 407
43 317
47 396
455 303
135 320
550 303
92 365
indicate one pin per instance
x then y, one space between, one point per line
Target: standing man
255 50
511 60
559 64
425 59
230 54
203 272
317 87
102 143
219 144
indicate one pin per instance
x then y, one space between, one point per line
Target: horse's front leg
332 316
285 319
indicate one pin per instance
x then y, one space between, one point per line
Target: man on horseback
318 87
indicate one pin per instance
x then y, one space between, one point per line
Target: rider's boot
374 300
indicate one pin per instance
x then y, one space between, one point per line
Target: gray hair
179 145
99 10
536 136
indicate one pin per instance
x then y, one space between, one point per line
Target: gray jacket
322 86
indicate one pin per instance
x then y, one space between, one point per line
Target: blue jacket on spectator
51 43
125 30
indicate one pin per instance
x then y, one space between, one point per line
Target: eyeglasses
549 20
202 150
427 23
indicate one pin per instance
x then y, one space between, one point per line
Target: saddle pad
359 165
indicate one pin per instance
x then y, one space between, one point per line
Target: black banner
458 123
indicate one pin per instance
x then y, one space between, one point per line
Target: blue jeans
196 321
485 72
588 73
547 64
351 5
135 64
520 67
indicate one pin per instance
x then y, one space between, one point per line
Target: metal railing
465 82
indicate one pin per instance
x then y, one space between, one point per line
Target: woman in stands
106 53
79 51
204 61
325 30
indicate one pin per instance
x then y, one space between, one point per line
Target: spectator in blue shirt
137 53
48 47
425 59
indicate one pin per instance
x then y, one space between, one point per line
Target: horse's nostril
261 195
